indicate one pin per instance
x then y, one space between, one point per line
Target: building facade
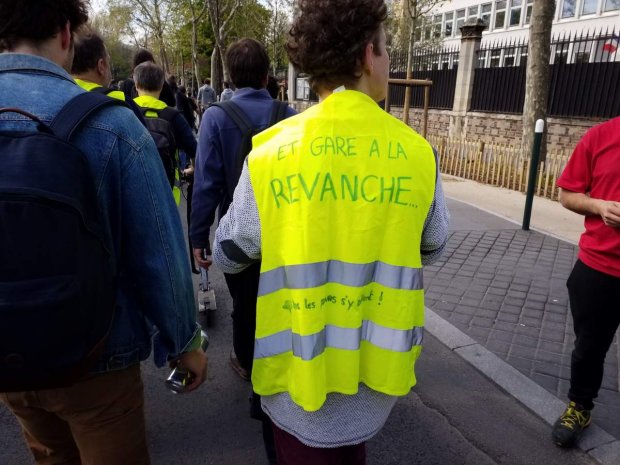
510 19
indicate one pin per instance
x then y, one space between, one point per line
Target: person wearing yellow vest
343 205
91 67
167 125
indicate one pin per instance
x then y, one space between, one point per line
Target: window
428 28
449 25
561 54
437 26
303 89
482 58
515 12
496 55
581 52
485 13
528 11
472 11
445 61
500 14
460 20
589 7
523 59
611 5
568 8
419 30
509 57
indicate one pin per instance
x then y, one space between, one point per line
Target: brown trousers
97 421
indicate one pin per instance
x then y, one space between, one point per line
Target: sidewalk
503 290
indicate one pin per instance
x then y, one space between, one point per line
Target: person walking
222 147
91 67
342 205
589 186
206 95
227 93
123 220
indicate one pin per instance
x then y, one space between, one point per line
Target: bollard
531 182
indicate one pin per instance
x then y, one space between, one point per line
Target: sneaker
234 363
570 425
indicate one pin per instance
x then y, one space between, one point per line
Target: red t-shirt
594 168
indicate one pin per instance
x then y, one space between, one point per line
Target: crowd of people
326 219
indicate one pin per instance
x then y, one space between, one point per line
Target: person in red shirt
590 186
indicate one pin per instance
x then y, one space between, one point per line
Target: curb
596 442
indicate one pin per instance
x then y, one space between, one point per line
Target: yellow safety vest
89 86
146 101
343 191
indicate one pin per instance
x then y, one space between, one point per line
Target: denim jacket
141 224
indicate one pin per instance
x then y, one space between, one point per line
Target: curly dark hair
328 38
38 20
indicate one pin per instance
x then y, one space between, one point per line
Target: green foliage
124 32
113 24
251 21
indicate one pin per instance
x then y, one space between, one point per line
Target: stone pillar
471 35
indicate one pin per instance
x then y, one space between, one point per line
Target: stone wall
563 133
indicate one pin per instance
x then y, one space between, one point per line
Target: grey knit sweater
343 419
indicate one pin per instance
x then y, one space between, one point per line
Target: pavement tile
501 335
482 322
506 289
508 317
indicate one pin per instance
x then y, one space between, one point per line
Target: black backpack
57 286
162 132
235 113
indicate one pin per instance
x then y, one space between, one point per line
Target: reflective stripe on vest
336 271
313 345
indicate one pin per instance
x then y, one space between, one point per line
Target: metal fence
499 164
584 69
437 65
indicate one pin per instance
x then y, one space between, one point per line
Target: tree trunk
224 68
216 70
537 77
195 64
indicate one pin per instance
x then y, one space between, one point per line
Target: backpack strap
278 112
236 114
167 113
78 109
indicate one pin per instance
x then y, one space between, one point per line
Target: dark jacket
216 170
185 107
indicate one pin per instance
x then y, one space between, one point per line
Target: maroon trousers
291 451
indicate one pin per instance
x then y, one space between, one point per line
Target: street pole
531 183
